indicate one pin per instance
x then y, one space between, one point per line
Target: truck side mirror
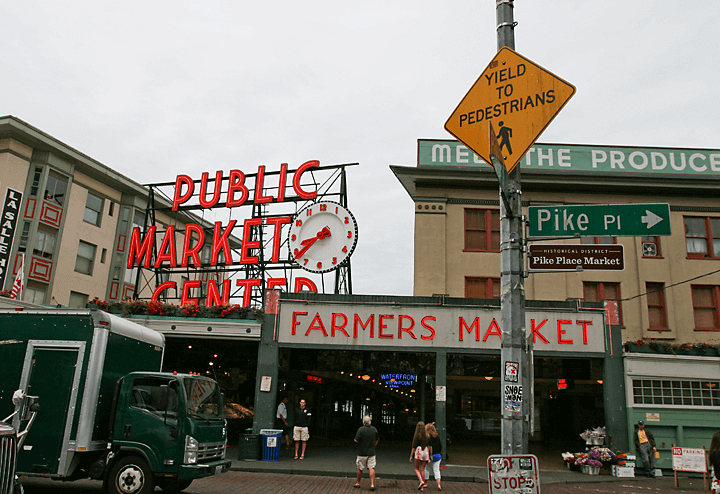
29 406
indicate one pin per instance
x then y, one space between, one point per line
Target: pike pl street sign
521 98
616 220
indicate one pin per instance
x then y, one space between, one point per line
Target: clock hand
325 232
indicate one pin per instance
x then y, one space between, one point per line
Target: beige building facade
73 223
670 286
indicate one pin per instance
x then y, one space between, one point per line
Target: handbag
437 457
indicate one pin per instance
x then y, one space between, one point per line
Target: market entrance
341 386
568 399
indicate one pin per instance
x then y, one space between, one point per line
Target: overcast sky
157 88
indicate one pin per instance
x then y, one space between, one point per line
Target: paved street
251 482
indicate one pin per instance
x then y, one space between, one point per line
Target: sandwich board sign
519 97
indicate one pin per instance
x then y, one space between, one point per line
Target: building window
680 393
702 237
22 246
599 291
85 258
656 306
44 243
35 182
93 209
598 240
482 230
650 246
482 287
111 209
55 188
706 300
77 300
34 293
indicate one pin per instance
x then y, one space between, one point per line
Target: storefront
404 359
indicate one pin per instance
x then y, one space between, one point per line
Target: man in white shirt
281 417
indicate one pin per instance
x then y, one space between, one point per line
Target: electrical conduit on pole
515 371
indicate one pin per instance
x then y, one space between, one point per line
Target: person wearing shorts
300 431
367 438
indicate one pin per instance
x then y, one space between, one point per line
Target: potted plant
135 307
96 303
189 310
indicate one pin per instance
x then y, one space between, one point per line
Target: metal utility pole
516 377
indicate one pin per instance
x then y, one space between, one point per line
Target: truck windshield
203 398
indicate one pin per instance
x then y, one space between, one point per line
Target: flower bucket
583 468
598 440
591 470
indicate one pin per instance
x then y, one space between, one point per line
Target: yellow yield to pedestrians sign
518 97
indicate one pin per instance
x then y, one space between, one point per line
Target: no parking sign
513 474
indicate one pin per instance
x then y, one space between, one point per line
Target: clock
322 236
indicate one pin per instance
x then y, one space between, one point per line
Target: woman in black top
715 461
420 453
435 452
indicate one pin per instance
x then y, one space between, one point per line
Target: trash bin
271 441
249 447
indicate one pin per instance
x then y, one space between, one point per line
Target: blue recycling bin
271 442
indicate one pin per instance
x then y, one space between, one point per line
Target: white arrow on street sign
651 219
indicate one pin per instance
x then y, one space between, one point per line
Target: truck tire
174 485
130 475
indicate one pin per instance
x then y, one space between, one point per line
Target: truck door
51 372
151 419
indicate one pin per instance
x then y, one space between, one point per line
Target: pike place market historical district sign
559 257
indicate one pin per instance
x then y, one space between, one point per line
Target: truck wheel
174 485
130 475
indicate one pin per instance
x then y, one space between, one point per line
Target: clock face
322 236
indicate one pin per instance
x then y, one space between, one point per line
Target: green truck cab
107 412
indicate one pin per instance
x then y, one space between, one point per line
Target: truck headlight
224 449
191 450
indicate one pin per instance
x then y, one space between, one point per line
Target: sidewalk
466 464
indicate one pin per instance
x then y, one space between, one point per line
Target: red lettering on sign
382 325
536 330
493 329
408 330
282 182
301 283
317 319
298 175
277 222
248 283
186 292
259 197
213 296
139 250
584 325
179 197
216 192
166 252
247 244
464 327
187 250
339 327
295 322
237 183
161 288
358 322
427 326
561 332
220 242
